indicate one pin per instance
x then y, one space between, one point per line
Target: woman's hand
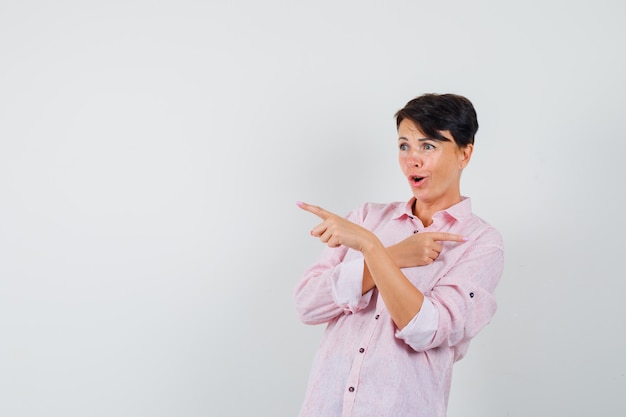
335 230
421 248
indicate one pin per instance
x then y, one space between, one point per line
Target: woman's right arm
331 287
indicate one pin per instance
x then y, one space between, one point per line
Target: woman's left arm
464 298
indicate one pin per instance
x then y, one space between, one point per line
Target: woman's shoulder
379 210
385 206
485 231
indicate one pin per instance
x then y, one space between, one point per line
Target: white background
151 153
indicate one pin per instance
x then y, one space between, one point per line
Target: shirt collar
458 211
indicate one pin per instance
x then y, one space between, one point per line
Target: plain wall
151 154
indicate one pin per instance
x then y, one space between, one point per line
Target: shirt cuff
347 286
421 329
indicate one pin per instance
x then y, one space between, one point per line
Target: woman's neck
425 211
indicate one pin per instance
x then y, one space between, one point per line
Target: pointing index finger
318 211
441 236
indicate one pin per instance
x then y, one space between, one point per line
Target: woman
404 286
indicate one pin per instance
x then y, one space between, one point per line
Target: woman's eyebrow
420 139
442 139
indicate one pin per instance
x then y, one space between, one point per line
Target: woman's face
432 167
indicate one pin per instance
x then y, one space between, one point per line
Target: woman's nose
415 160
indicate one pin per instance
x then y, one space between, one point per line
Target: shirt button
415 231
361 350
471 295
351 389
377 316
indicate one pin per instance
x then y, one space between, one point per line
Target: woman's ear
465 155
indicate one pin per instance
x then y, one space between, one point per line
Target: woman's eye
403 147
428 146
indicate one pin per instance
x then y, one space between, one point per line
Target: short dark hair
432 113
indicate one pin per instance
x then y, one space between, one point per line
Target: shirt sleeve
464 298
422 327
347 286
328 291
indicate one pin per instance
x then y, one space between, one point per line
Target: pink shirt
365 366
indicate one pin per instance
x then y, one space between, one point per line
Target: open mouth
415 179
